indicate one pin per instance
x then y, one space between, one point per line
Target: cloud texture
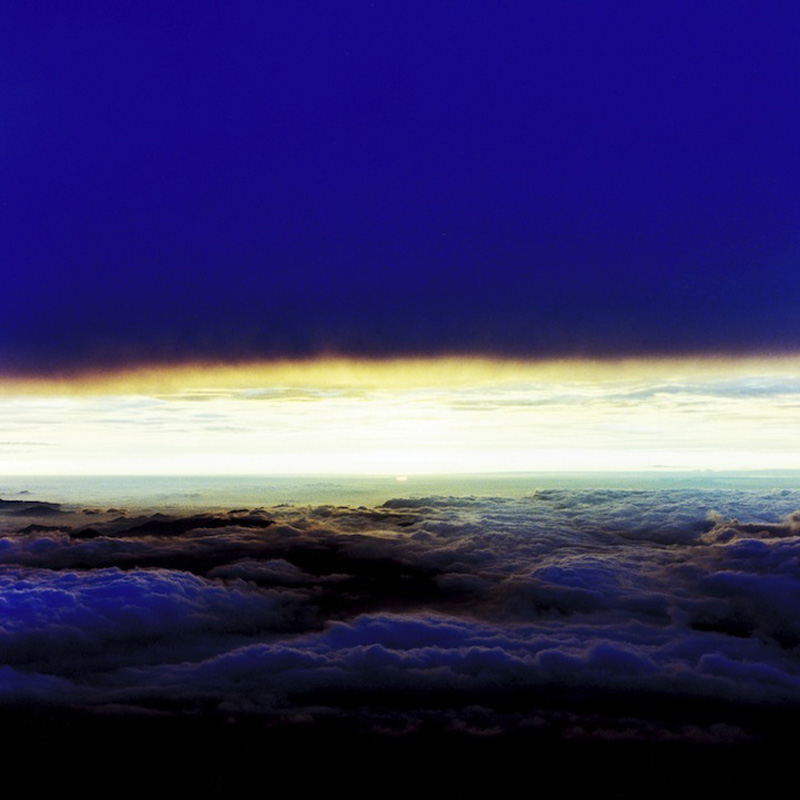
604 614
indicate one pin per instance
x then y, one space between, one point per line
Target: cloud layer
597 614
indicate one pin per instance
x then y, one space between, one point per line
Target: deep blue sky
285 178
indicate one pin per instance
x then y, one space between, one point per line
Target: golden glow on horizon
389 373
407 417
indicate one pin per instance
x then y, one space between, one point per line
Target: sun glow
400 373
406 417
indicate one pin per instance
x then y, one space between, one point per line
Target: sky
595 202
279 180
408 418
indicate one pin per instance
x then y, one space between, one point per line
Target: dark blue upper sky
285 178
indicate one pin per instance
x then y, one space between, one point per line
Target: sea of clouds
602 615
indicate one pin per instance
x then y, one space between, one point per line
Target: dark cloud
24 508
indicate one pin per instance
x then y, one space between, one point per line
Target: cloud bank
600 615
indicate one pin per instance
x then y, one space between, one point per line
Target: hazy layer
407 418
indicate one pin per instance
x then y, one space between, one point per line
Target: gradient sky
253 180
